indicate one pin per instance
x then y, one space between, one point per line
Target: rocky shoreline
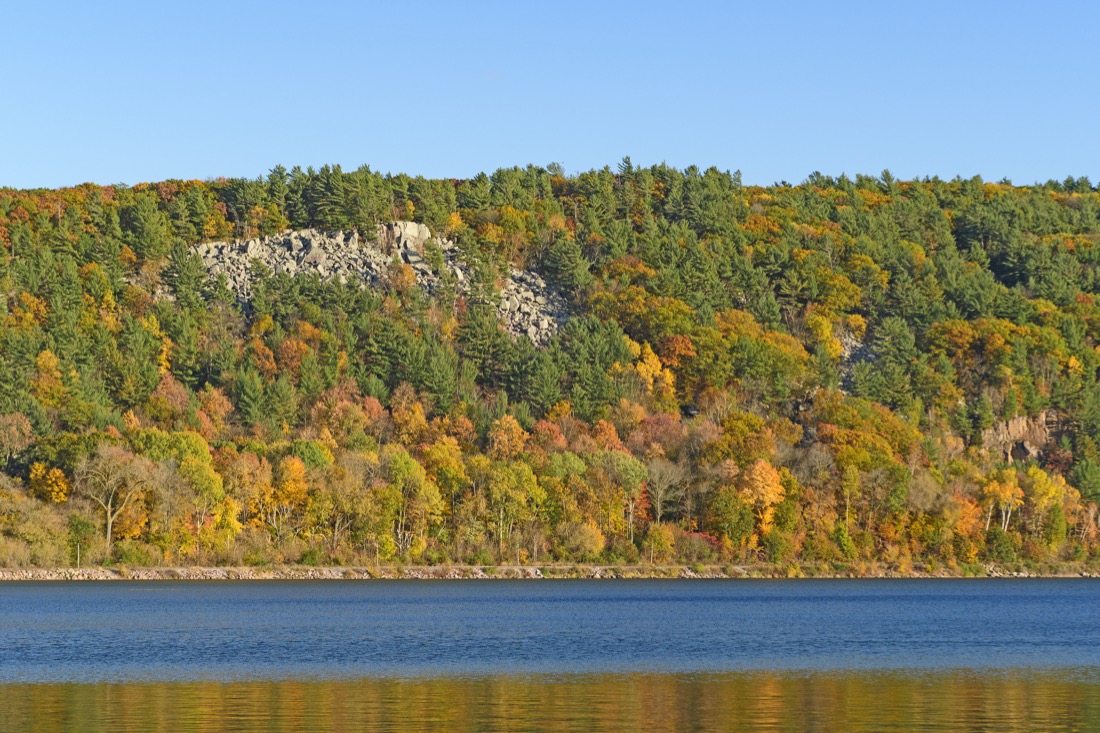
513 572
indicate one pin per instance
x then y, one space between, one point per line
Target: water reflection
1059 700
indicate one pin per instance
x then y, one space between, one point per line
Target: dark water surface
860 655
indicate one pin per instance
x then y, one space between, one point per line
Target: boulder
314 257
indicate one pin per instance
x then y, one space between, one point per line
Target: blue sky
121 92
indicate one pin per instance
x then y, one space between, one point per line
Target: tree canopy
845 370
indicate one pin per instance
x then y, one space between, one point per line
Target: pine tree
250 397
281 401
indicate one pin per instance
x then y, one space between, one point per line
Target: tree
618 479
290 498
659 542
665 486
420 505
1003 492
15 437
112 479
145 228
507 438
250 397
443 462
344 503
281 402
731 516
762 489
1043 492
48 484
511 487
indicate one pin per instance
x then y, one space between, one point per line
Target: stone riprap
527 307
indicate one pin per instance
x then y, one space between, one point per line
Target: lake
721 655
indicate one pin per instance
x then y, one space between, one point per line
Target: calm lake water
807 655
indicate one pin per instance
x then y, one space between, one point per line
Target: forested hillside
836 373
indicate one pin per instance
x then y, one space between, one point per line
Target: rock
1021 438
316 257
527 308
1024 451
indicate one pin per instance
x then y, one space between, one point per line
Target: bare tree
113 478
15 436
666 482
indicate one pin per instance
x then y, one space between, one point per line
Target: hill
639 365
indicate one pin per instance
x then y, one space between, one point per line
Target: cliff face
1021 438
527 305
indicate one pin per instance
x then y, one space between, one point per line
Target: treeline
791 374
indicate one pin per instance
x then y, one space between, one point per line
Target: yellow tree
49 484
443 462
290 497
1043 492
512 486
1003 492
247 478
507 438
762 489
659 542
409 420
47 385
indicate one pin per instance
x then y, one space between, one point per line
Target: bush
696 547
436 556
778 546
481 557
132 552
580 541
998 546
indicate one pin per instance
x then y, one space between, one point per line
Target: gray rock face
528 306
329 254
402 235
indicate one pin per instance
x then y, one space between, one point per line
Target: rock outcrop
528 306
1021 438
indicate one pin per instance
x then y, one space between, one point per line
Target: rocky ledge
528 306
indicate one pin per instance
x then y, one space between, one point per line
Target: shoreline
524 572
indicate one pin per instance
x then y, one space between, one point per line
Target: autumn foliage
833 374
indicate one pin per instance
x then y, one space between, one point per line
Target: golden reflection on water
956 701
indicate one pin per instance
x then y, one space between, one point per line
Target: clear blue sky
130 92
